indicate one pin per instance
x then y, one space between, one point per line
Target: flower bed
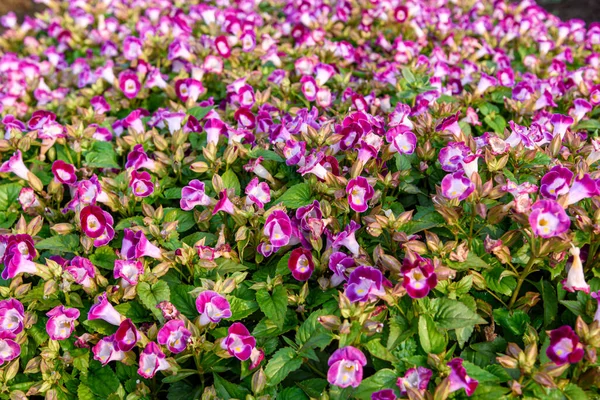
299 200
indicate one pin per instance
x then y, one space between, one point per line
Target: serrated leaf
231 181
452 314
266 154
281 364
82 362
378 350
185 219
274 305
9 193
431 339
227 390
199 112
240 308
172 193
296 196
133 310
516 323
382 379
102 380
313 387
151 296
101 155
104 257
60 244
85 393
183 301
282 265
574 392
550 302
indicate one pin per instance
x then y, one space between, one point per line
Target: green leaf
199 112
382 379
185 218
515 323
180 375
403 162
172 193
82 362
283 362
550 301
60 244
292 393
185 303
133 310
472 262
129 222
588 124
151 296
85 393
104 257
295 197
282 265
452 314
313 387
227 390
378 350
431 339
574 392
497 122
99 326
101 155
231 181
479 373
182 391
408 75
240 308
102 380
498 283
9 193
209 239
273 306
266 154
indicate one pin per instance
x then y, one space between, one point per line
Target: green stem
528 270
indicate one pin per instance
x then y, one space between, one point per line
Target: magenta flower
93 221
385 394
560 124
364 284
239 343
12 314
18 255
9 350
212 307
308 86
126 335
450 124
189 89
596 295
137 158
459 379
224 204
359 193
548 219
132 48
556 182
109 232
102 309
100 105
194 195
81 269
174 335
419 276
339 263
346 367
136 245
106 350
347 238
64 173
582 107
416 379
258 193
564 346
575 277
152 360
61 324
278 227
301 264
402 139
457 186
214 128
582 188
129 84
323 72
16 166
222 46
28 199
141 184
129 271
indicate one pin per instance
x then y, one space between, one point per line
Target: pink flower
457 186
224 204
12 314
174 335
308 86
258 193
564 346
18 255
93 221
28 199
575 277
152 360
339 263
132 48
81 269
106 350
359 193
416 379
100 104
459 379
109 232
556 182
239 343
212 307
385 394
548 219
364 284
61 324
419 276
402 139
582 188
15 165
346 367
278 227
64 173
301 264
129 84
137 158
194 195
102 309
9 350
189 88
347 238
222 46
135 245
141 184
129 271
126 335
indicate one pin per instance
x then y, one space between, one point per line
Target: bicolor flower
258 193
16 166
136 245
416 379
93 221
346 367
214 128
12 315
137 158
278 228
548 219
128 271
174 335
308 86
556 182
224 204
239 343
222 46
596 295
385 394
402 139
189 89
459 379
194 195
212 307
583 187
564 346
450 124
106 350
419 276
560 124
364 284
339 263
61 324
102 309
126 335
129 84
64 173
152 360
301 264
18 255
141 184
359 193
81 269
109 231
457 186
576 278
347 238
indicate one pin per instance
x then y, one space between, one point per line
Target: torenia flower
582 188
339 263
457 186
596 295
9 350
12 314
459 379
136 245
224 204
564 346
556 182
548 219
278 228
129 271
81 269
152 360
19 252
64 173
141 184
16 165
576 278
239 343
102 309
61 324
347 238
419 276
212 307
126 335
346 367
416 379
106 350
93 221
359 193
129 84
258 193
385 394
365 284
28 199
193 195
137 158
174 335
301 264
402 139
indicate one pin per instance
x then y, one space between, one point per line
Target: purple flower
129 84
548 219
93 221
189 89
419 276
81 269
564 346
214 128
402 139
560 124
359 193
346 367
194 195
64 173
16 166
582 188
102 309
301 264
258 193
141 184
136 245
109 232
576 278
224 204
28 199
132 48
308 86
278 227
152 360
222 46
596 295
339 263
347 238
12 314
18 255
450 124
106 350
416 379
239 343
61 324
556 182
457 186
100 104
9 350
129 271
364 284
459 379
174 335
582 107
137 158
385 394
126 335
212 307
